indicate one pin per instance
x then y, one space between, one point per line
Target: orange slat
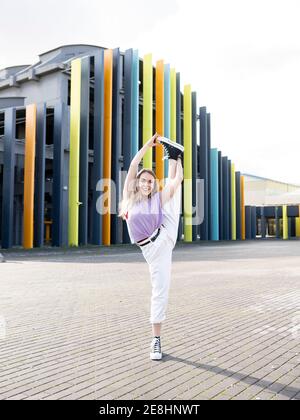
30 138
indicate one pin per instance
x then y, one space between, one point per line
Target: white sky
242 57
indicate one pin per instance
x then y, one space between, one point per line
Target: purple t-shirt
144 218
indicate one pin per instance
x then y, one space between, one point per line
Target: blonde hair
134 195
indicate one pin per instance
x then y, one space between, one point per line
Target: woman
152 218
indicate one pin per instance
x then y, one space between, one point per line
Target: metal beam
59 216
84 150
39 196
116 222
8 177
204 171
97 170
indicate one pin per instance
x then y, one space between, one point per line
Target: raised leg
172 208
172 169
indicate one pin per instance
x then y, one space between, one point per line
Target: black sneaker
173 150
155 353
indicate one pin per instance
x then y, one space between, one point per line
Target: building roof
269 179
53 60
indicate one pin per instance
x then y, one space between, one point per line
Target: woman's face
146 183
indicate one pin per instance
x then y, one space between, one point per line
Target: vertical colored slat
298 227
167 120
179 140
167 101
147 107
18 211
220 172
277 221
253 222
129 140
135 102
248 220
238 205
293 227
84 150
107 152
159 151
262 222
208 173
178 110
285 222
233 204
131 115
204 171
8 177
243 221
29 166
128 117
59 194
173 105
39 196
214 181
298 224
229 200
226 232
194 161
97 172
289 214
116 222
187 164
74 152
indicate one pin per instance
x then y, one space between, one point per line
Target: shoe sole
155 356
172 143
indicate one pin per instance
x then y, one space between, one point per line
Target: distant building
268 192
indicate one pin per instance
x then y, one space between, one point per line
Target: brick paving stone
264 395
280 397
76 330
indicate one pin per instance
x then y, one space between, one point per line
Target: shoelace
167 152
157 345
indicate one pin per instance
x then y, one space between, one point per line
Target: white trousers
158 255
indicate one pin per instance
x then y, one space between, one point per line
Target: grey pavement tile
76 330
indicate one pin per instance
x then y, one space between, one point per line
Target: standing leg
156 330
160 272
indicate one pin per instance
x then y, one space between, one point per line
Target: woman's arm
133 168
169 190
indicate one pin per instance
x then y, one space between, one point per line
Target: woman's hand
152 142
140 154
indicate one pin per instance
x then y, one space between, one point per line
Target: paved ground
77 324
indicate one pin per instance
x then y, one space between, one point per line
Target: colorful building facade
69 127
